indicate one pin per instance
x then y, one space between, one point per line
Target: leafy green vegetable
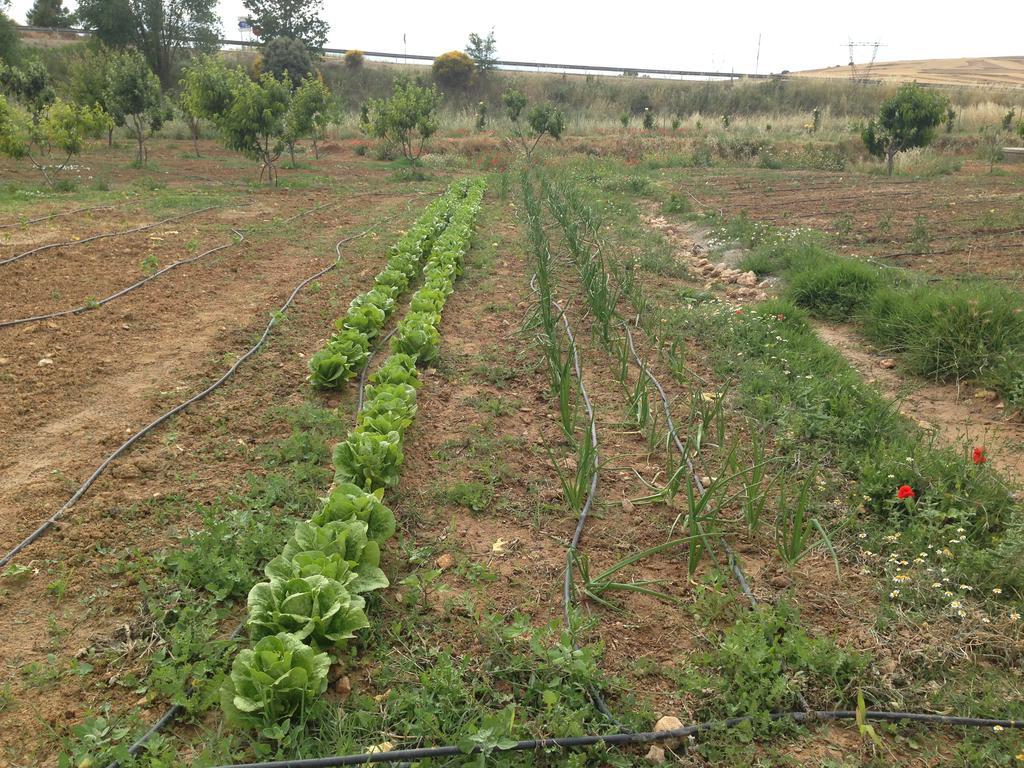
418 336
350 502
369 459
399 368
273 684
315 609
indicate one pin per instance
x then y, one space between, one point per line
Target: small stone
4 360
44 361
669 723
343 686
780 581
628 506
655 755
747 278
125 326
887 362
445 561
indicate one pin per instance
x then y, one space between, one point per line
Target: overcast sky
672 35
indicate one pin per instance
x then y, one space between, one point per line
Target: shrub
354 59
407 119
287 57
834 290
454 70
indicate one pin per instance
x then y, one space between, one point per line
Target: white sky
795 34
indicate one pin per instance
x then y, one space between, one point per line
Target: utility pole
874 46
757 60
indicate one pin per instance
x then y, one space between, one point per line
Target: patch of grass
764 663
474 496
834 290
971 331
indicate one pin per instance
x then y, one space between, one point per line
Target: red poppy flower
979 455
905 492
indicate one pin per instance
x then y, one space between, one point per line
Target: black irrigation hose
734 565
618 739
138 284
104 235
51 521
128 289
175 710
60 214
595 695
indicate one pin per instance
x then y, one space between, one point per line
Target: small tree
454 70
60 128
133 98
950 119
254 124
483 51
541 121
207 90
407 119
905 121
87 80
308 114
10 42
298 19
287 57
48 13
30 85
481 116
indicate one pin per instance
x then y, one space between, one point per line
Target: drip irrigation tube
52 520
58 215
595 695
104 235
620 739
174 710
128 289
95 305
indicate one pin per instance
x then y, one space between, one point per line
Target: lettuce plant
348 540
397 369
418 336
350 502
273 684
337 362
367 319
369 459
315 609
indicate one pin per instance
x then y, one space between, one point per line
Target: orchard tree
308 114
162 29
10 43
48 13
297 19
483 51
541 120
86 81
454 70
133 98
254 124
60 129
287 57
907 120
407 119
207 91
29 85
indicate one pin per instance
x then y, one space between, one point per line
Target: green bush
950 333
834 290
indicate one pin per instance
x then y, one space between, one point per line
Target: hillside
993 70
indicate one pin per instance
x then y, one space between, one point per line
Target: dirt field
993 70
473 621
958 225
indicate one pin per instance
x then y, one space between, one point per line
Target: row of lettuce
313 601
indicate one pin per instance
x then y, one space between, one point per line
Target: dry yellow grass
993 70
